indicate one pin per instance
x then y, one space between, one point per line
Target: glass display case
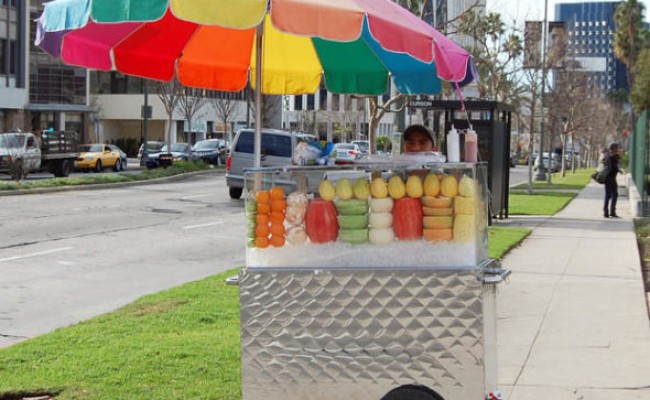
396 214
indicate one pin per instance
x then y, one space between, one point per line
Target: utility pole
541 175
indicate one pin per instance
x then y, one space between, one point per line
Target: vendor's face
417 142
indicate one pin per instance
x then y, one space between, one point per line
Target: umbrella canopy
355 46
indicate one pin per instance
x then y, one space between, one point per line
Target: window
347 105
336 102
322 96
297 102
8 54
272 145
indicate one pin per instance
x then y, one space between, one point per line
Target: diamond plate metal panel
357 334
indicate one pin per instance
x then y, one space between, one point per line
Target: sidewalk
572 320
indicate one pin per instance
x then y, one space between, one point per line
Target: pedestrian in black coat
611 159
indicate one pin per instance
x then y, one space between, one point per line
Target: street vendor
417 138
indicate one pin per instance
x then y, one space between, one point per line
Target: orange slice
277 193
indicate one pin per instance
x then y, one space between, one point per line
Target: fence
640 162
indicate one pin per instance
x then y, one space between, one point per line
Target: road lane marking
40 253
197 195
202 225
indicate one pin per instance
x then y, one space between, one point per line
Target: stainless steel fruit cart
402 332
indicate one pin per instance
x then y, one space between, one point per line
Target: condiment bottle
471 146
453 145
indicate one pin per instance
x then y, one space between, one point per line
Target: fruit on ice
449 186
431 185
379 188
344 189
407 219
351 207
352 222
380 220
437 211
381 236
437 235
414 186
437 202
296 235
464 205
353 236
321 221
467 186
464 228
438 222
361 189
326 190
396 187
383 205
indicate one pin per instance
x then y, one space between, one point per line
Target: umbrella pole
257 143
258 96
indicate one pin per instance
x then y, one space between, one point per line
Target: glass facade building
590 27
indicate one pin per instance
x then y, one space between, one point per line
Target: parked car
124 160
153 147
96 157
179 152
347 153
364 145
277 149
212 151
555 162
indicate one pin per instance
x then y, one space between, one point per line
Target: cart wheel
412 392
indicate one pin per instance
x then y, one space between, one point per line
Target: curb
97 186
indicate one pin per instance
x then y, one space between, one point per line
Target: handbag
601 173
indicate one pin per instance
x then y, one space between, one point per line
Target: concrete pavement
573 320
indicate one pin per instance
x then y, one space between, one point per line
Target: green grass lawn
539 203
572 181
182 343
178 168
502 239
178 344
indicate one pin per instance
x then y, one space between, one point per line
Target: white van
277 151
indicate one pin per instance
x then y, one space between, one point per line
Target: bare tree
271 108
227 111
169 94
377 111
190 101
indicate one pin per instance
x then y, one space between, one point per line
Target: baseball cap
613 146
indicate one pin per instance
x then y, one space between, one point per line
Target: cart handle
495 276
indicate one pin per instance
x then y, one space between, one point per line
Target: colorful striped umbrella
356 46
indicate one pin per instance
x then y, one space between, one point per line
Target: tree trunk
169 132
563 165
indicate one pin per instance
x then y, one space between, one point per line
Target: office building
14 91
590 27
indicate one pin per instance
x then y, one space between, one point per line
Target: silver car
347 153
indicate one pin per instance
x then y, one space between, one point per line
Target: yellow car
96 157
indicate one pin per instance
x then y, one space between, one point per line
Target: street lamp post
541 174
146 114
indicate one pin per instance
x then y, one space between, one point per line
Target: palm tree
630 35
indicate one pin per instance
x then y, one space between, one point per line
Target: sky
522 10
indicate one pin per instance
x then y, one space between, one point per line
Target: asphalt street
68 256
